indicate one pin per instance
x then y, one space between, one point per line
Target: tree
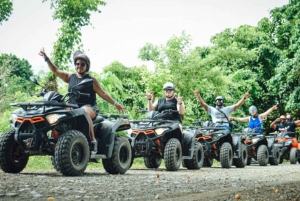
6 8
73 15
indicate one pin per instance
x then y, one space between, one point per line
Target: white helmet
168 85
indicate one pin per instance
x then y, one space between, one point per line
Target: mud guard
188 143
105 133
236 145
271 145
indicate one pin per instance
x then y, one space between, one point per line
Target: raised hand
149 96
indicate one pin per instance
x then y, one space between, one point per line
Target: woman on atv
220 114
255 120
82 65
168 102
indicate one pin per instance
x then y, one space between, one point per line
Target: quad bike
260 147
220 145
59 129
289 147
155 138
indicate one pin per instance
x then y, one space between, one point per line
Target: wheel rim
77 153
123 155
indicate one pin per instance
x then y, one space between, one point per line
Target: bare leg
91 115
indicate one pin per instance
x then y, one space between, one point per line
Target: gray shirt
219 116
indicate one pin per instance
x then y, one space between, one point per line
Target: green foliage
6 8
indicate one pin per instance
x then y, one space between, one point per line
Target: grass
43 163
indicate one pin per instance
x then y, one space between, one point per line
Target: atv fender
105 133
270 146
237 145
188 144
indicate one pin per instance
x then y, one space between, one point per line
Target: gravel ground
251 183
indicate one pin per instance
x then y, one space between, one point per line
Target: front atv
61 130
156 138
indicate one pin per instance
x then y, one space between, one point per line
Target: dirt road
251 183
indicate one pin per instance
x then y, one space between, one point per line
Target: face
169 93
282 120
80 66
288 120
253 113
219 102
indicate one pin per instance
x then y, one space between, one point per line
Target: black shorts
95 108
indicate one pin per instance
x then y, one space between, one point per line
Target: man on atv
255 120
220 114
285 126
168 102
82 65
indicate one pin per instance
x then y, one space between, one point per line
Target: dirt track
252 183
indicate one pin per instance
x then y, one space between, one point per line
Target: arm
246 119
204 105
265 114
98 89
297 123
273 124
180 105
151 107
241 102
59 73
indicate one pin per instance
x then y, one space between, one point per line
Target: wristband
46 59
149 99
179 103
245 98
115 103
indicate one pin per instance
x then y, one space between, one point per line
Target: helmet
169 85
252 109
220 98
80 55
289 117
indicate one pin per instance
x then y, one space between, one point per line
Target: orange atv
288 146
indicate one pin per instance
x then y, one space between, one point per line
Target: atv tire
173 154
121 158
13 158
208 162
52 158
198 157
249 161
152 162
275 159
263 155
293 155
242 161
280 160
72 153
226 155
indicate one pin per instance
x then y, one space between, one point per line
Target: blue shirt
255 123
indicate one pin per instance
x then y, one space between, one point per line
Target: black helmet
169 85
80 55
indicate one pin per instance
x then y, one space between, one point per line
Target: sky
123 27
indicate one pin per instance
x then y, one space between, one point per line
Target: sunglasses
80 64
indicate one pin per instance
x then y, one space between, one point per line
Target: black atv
221 145
59 129
155 138
260 147
289 147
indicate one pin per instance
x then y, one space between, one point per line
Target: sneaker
94 146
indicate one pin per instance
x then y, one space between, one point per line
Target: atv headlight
53 118
288 143
160 131
13 118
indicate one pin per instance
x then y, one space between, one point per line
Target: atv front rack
38 104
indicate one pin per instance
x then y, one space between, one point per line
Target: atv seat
98 119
